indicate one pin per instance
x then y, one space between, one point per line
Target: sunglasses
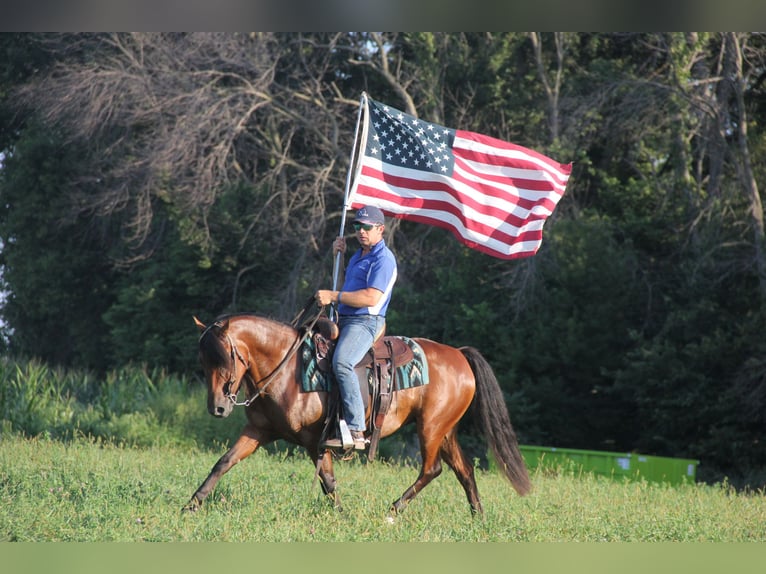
364 226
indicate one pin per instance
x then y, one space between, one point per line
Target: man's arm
367 297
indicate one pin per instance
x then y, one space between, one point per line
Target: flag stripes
492 195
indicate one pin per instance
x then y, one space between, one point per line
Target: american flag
494 196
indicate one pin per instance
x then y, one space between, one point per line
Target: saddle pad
412 374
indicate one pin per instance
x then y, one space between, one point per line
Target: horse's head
223 365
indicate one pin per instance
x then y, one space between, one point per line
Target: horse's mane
211 340
261 318
211 345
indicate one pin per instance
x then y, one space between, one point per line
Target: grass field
116 458
88 490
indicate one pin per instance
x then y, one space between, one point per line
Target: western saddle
377 369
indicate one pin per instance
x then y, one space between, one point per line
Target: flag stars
408 142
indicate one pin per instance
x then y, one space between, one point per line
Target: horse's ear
199 323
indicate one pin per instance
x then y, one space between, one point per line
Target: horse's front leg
326 475
246 444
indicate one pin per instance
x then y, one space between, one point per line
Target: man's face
368 234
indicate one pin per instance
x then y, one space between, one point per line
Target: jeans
357 333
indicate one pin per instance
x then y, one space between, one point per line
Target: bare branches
163 115
178 118
552 85
735 48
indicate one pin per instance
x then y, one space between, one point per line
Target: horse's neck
267 341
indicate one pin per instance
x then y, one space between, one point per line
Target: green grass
90 490
115 458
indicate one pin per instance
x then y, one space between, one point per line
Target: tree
53 265
179 118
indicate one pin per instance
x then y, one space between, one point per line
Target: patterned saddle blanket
315 377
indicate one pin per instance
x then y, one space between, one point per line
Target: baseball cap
370 214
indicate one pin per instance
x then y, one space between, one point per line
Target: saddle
378 368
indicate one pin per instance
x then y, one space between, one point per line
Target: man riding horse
244 352
361 304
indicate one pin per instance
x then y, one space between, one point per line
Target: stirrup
345 434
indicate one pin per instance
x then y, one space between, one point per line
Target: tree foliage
150 177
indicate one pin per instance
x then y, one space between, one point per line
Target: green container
612 464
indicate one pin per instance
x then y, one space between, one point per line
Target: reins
262 385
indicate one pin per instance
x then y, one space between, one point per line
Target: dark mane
211 342
221 319
212 348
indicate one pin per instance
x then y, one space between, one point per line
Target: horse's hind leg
246 445
431 468
454 456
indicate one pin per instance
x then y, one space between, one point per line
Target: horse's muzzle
221 408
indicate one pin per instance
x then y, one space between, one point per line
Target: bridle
234 353
261 385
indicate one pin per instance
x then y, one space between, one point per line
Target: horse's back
450 387
446 364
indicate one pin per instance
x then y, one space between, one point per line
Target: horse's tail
495 421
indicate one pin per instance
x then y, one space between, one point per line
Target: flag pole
346 205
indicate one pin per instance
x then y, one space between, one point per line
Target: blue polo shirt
376 269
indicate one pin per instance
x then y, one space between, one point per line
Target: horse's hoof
397 508
193 506
390 520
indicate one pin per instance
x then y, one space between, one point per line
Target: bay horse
261 353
